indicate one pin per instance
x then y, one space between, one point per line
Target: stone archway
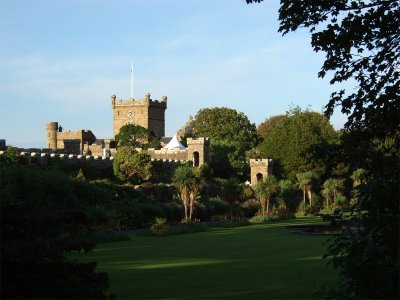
259 177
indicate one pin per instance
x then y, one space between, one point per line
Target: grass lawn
254 262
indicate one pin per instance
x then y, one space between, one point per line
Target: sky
61 60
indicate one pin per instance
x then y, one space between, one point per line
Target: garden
259 261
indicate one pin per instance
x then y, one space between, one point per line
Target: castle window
196 159
49 134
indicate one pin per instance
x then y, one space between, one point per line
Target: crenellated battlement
146 101
199 140
100 161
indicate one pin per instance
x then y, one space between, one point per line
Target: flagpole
131 80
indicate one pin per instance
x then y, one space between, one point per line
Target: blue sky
62 60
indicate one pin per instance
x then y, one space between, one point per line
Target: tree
306 182
183 181
289 140
230 192
197 185
132 166
136 136
288 193
359 176
42 218
332 188
269 124
227 160
222 123
264 190
362 43
361 40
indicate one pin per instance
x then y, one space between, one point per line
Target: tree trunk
192 195
304 200
334 198
184 202
327 201
309 193
267 207
262 202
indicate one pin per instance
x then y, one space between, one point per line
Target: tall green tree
227 160
198 182
264 190
332 187
230 192
307 181
132 166
288 193
291 138
222 123
183 181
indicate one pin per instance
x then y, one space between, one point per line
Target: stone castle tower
146 112
260 168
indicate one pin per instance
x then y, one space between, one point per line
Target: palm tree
264 190
230 192
327 192
306 181
197 184
288 193
183 180
332 187
359 176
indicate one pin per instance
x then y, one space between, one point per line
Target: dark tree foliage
289 140
41 220
361 40
137 137
227 160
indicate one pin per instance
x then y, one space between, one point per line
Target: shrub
150 212
173 212
259 219
160 227
250 207
218 207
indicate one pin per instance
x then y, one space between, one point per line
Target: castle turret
259 169
198 151
51 135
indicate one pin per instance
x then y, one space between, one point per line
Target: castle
73 146
145 112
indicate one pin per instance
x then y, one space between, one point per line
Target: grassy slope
254 262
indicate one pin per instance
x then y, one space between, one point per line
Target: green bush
160 227
150 212
218 207
172 211
250 208
259 219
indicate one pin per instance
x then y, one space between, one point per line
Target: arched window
196 159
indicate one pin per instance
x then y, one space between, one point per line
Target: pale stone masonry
145 112
260 168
